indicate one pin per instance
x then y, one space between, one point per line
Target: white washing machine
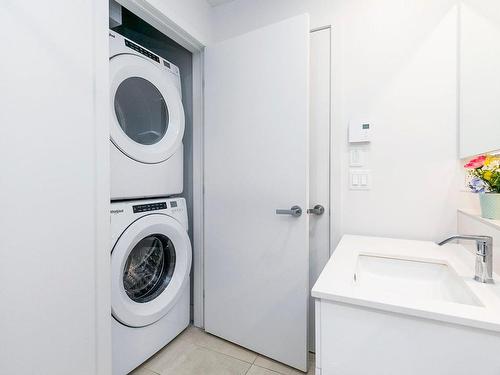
150 265
146 122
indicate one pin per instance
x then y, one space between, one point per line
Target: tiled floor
195 352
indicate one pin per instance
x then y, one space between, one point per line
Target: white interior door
257 161
320 141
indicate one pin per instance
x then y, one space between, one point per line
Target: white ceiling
218 2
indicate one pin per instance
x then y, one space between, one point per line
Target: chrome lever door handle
295 211
317 210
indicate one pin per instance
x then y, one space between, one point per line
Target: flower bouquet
484 172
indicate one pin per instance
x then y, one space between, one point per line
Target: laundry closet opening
132 27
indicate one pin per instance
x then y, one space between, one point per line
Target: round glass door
149 268
150 264
146 111
141 111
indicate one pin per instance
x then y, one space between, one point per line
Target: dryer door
147 116
150 264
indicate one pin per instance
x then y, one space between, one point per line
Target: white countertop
336 282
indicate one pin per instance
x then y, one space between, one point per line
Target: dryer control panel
142 51
150 207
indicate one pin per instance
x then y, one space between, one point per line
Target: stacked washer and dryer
151 250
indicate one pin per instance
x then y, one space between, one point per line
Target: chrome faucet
484 256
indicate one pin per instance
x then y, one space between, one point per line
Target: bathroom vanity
387 306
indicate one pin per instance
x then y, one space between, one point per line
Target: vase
490 205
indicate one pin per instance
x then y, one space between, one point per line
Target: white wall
54 240
395 64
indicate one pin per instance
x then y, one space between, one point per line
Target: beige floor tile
195 352
143 371
256 370
311 364
209 341
278 367
171 354
202 361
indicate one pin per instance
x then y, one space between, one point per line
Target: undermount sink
405 278
404 307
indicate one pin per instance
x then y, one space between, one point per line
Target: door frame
334 159
102 259
334 165
167 26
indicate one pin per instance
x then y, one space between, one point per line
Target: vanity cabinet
354 340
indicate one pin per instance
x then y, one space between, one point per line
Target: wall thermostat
359 131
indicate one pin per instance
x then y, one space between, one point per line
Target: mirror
479 74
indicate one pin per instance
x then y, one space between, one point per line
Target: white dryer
150 265
146 122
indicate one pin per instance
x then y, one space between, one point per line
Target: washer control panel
123 213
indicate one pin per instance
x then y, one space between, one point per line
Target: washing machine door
147 116
150 265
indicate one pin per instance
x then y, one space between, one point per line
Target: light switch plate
356 157
360 179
